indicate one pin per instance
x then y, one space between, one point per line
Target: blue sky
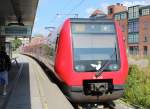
47 10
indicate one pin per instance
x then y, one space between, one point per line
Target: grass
138 86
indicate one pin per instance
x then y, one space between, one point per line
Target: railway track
52 78
109 105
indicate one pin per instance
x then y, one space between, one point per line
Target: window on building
123 16
133 26
145 11
130 15
117 17
145 50
145 39
130 12
130 27
133 12
133 38
136 12
110 11
134 50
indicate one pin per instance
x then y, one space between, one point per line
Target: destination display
15 30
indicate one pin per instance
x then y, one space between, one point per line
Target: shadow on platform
18 96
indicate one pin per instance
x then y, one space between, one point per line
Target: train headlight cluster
80 67
113 67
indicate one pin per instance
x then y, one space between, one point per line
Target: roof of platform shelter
18 12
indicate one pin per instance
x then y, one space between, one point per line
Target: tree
16 43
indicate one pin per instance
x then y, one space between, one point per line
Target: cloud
90 10
129 3
103 7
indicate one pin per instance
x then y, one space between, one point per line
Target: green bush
16 43
138 87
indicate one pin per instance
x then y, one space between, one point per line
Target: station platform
30 88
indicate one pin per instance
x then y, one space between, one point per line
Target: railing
15 60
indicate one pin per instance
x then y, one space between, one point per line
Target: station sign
16 30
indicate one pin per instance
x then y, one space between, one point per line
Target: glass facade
130 13
136 12
145 11
133 12
133 26
133 38
121 16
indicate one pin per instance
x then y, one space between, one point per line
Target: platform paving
34 90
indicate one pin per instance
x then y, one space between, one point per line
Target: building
112 9
144 33
98 14
135 23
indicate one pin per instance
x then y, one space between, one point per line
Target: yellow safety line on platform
39 87
45 106
39 77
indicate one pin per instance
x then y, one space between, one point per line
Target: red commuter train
89 58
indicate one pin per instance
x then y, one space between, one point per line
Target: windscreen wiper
100 71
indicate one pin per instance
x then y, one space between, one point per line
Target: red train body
90 59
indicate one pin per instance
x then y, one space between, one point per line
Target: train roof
78 20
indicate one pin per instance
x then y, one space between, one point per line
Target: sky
52 13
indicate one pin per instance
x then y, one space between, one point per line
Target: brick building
144 32
135 23
112 9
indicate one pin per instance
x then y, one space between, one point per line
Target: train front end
91 60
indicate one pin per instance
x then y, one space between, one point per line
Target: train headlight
80 67
113 67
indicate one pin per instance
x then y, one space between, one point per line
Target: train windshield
94 44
